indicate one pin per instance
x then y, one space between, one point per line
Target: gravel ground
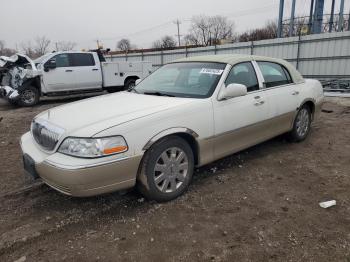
258 205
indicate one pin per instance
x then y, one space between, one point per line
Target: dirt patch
258 205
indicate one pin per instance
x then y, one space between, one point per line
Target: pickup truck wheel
166 170
302 125
130 83
29 96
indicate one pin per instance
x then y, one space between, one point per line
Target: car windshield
189 79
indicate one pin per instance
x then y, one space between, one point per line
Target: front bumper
88 178
9 93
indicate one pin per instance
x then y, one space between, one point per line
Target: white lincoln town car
186 114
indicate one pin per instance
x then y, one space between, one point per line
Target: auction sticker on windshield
211 71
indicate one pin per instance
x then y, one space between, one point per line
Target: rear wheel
302 125
29 96
166 170
130 83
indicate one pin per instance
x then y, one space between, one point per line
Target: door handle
68 70
259 103
257 97
95 69
295 93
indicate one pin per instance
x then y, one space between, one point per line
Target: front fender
167 132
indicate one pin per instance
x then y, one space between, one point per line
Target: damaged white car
23 81
18 74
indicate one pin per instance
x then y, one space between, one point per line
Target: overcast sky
84 21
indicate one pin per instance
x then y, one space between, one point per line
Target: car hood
88 117
16 60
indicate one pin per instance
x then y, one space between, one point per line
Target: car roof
233 59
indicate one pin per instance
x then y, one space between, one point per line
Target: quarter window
81 59
244 74
274 74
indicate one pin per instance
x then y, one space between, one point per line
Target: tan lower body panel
231 142
91 181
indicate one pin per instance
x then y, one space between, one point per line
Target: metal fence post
280 18
186 51
298 50
142 58
252 48
215 49
126 56
161 58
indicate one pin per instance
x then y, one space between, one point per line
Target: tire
28 96
130 83
166 169
13 102
301 125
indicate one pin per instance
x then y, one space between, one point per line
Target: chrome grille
46 134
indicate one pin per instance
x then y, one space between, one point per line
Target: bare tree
65 46
209 30
2 45
124 45
41 46
269 31
165 42
189 39
28 50
4 50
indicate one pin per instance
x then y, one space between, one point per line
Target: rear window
274 74
80 59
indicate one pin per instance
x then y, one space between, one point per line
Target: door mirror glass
232 90
137 81
51 64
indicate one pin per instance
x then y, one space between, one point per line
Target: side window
81 59
62 60
274 74
244 74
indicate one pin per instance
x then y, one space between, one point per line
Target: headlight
93 147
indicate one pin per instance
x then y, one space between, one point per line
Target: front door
62 77
241 121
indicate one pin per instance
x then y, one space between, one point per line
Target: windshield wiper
158 94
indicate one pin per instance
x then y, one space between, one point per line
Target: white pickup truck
23 81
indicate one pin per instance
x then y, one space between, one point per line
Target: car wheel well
130 77
311 107
35 82
189 139
193 144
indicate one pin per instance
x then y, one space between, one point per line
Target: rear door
241 121
282 92
87 71
62 77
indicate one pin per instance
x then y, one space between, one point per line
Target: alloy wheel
171 169
303 122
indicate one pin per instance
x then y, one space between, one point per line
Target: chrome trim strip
68 167
169 131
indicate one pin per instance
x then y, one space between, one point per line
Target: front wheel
29 96
302 125
166 170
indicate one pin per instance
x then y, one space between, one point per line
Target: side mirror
232 90
51 64
137 81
